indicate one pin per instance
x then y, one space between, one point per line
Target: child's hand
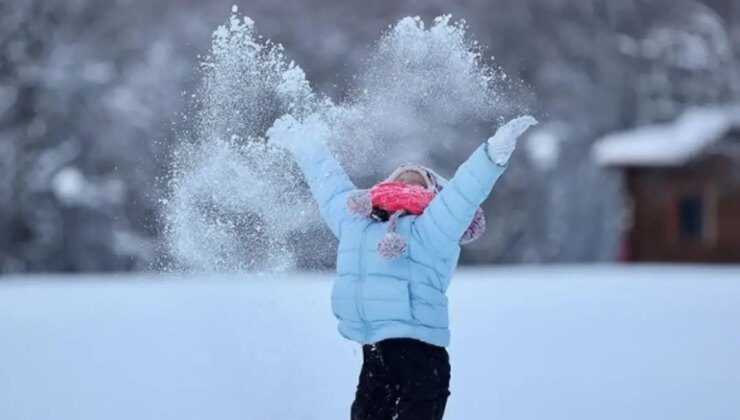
296 136
502 144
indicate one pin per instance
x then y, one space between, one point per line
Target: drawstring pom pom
391 245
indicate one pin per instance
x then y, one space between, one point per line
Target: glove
502 144
296 136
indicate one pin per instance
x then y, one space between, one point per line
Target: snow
72 188
543 148
224 180
424 90
68 184
563 342
668 144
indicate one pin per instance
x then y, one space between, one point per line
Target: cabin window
691 213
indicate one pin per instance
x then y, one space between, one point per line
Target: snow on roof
669 144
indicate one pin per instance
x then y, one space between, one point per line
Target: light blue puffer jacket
374 298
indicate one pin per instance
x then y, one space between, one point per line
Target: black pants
402 379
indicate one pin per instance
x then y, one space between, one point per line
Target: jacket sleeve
329 183
450 213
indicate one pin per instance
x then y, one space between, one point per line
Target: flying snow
237 204
234 201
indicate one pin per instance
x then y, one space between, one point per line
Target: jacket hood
434 181
391 245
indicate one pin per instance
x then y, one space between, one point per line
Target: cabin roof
668 144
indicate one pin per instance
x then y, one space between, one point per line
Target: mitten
296 136
502 144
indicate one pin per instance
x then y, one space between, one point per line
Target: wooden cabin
682 186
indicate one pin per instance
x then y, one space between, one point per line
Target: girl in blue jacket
393 269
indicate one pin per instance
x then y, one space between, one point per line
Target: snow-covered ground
570 342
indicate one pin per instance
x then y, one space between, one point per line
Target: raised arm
450 213
328 182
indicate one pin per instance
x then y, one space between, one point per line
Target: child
399 245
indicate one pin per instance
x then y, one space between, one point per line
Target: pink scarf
398 196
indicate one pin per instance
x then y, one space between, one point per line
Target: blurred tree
88 90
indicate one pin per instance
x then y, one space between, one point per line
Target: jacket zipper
360 283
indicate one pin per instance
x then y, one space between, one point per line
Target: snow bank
668 144
597 342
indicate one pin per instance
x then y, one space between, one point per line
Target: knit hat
390 200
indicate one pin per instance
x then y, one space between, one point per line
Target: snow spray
236 204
